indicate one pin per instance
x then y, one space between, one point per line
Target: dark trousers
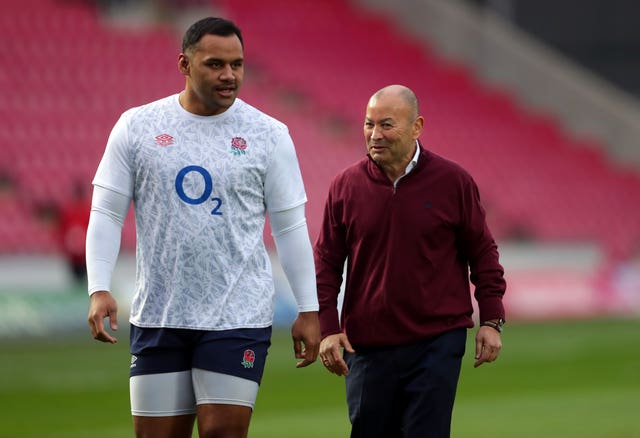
405 391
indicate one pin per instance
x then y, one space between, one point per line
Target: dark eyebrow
222 61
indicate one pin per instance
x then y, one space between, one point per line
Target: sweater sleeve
329 255
479 246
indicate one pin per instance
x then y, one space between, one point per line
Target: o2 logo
206 193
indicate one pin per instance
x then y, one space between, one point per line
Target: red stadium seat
314 68
539 180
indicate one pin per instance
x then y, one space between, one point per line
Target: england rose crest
238 145
248 359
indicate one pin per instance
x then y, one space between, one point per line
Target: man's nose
227 73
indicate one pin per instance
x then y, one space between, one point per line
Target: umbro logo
133 361
163 140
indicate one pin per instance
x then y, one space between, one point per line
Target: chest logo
189 187
238 145
163 140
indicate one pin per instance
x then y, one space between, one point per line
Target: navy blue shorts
238 352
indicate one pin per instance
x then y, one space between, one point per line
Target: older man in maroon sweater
411 228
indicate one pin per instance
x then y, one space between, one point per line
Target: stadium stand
538 181
68 75
66 78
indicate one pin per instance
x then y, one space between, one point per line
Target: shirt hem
199 327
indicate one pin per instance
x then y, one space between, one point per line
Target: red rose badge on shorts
238 145
248 359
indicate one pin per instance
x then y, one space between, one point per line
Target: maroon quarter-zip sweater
409 252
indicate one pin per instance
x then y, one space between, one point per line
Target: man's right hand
102 305
331 354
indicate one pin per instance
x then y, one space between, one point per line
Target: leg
227 369
372 395
180 426
225 404
163 405
429 389
223 421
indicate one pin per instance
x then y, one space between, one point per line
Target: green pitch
570 379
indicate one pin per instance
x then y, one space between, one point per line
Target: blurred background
539 100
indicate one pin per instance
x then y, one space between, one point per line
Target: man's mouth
226 90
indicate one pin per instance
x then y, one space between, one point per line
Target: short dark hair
209 26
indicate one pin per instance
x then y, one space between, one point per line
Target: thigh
162 405
162 395
223 420
372 394
227 370
180 426
222 389
429 387
160 381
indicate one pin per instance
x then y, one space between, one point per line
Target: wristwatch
494 323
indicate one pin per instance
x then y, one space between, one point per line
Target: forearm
487 275
108 210
291 237
329 263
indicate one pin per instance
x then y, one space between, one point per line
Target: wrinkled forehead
387 108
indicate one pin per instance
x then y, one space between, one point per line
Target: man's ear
418 126
183 64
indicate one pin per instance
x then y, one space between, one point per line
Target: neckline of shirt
221 116
412 164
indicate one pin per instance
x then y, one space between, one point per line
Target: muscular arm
289 229
108 210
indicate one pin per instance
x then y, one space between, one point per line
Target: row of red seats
67 76
314 68
538 181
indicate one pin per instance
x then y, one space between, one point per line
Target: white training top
201 187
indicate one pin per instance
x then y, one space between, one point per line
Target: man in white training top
203 169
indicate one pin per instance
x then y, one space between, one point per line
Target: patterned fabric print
200 211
